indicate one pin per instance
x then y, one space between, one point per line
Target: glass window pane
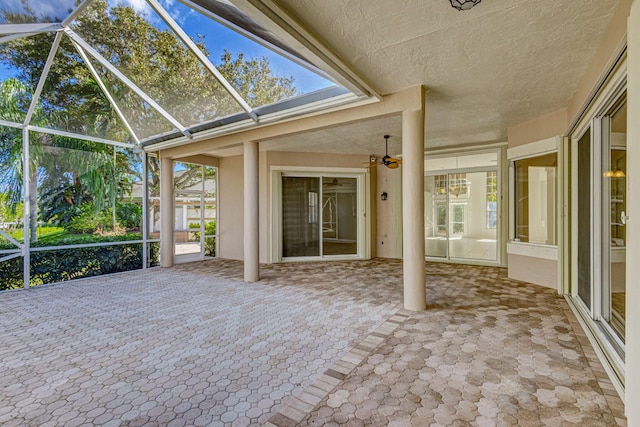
615 181
536 194
435 208
470 238
339 216
300 216
584 219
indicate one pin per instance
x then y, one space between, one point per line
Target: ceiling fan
387 160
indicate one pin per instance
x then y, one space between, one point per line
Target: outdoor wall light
383 196
464 4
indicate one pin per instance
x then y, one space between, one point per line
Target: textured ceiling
499 64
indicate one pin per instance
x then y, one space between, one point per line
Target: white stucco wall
389 227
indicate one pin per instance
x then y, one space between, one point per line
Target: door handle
623 218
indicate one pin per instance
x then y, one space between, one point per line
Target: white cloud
137 5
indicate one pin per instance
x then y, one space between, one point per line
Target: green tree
157 62
14 101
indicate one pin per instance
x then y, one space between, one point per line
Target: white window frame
606 344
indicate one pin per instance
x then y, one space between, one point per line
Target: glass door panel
472 215
300 216
339 216
614 222
584 218
435 209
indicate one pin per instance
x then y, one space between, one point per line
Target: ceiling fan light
464 4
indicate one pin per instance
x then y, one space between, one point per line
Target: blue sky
217 37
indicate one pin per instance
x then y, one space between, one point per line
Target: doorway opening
195 212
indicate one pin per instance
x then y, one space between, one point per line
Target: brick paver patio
310 344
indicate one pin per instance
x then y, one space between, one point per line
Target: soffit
499 64
364 137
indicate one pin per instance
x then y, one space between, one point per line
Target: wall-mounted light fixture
383 196
464 4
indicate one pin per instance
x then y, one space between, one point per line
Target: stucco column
166 212
632 359
251 217
413 210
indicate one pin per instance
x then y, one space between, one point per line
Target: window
440 183
492 199
535 199
458 184
457 219
441 215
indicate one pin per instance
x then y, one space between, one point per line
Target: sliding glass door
320 216
600 207
461 208
300 217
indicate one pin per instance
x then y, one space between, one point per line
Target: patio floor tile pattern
170 347
488 351
326 343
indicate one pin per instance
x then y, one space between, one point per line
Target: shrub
129 215
87 221
66 264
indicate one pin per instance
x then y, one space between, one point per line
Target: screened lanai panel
141 46
11 208
260 75
77 187
21 65
72 100
128 203
144 120
21 11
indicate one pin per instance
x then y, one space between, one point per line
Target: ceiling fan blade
392 165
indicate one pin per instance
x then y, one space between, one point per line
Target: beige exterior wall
539 271
389 221
547 126
231 207
231 190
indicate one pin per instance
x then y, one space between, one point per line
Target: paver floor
310 344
